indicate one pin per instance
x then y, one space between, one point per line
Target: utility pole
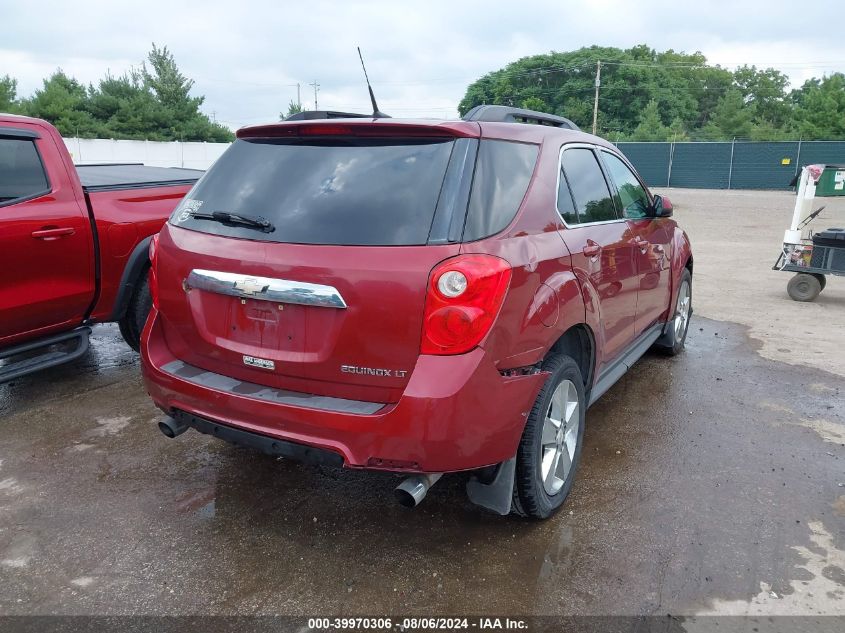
298 98
596 102
316 88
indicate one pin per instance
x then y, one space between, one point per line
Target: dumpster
832 181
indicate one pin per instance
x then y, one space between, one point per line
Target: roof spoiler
506 114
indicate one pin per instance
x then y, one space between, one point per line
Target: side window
502 175
632 194
590 192
21 172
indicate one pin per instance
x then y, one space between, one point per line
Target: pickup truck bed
133 176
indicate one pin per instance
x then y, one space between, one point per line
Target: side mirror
662 207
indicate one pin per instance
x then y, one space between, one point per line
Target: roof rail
506 114
309 115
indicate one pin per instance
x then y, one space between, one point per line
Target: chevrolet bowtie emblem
249 286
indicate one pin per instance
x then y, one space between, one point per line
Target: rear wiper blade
225 217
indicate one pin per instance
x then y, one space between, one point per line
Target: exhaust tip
171 428
405 498
413 490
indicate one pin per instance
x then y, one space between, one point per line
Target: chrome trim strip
563 148
594 148
265 288
242 388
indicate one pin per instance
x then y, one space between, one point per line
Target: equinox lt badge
263 363
371 371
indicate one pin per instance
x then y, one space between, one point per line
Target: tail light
464 296
152 280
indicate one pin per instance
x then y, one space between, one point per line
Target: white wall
156 153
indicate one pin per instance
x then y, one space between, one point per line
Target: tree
677 131
145 103
535 103
171 88
650 128
126 108
731 118
698 96
631 78
178 109
293 108
8 94
63 102
766 131
765 90
820 108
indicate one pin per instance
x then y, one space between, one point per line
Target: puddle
822 593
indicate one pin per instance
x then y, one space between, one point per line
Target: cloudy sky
247 55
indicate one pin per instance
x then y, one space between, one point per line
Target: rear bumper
457 412
263 443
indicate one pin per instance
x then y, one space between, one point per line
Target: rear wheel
550 448
673 340
132 323
804 287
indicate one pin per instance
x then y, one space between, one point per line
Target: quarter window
632 195
502 174
21 172
590 193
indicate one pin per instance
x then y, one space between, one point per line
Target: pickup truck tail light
463 298
153 281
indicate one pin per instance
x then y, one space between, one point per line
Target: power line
541 70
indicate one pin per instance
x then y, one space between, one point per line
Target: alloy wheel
560 436
682 313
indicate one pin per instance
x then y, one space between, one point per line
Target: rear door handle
52 234
592 249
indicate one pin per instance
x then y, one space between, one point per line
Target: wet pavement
713 482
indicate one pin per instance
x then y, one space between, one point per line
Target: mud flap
667 338
497 495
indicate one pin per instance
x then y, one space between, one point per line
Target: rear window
349 191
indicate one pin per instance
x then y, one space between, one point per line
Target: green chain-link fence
726 165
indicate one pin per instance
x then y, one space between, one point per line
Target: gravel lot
736 238
711 483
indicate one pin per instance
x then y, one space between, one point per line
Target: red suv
414 296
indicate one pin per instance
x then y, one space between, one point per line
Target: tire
803 287
674 340
535 495
822 280
132 323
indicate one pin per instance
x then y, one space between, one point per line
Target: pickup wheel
132 323
550 448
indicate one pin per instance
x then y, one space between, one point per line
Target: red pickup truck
74 245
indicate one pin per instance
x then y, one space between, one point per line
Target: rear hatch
325 293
